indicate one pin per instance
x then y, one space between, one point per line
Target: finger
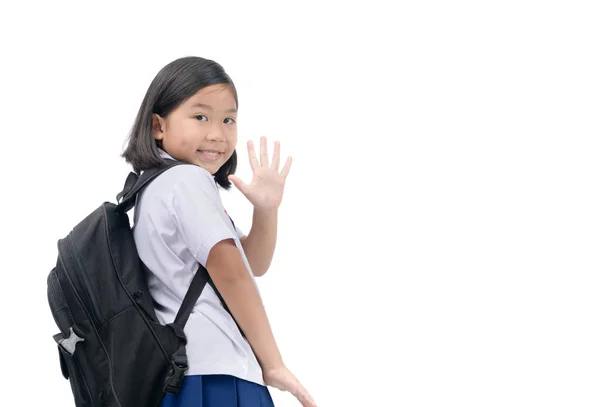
276 150
300 392
304 398
239 184
286 168
252 155
264 158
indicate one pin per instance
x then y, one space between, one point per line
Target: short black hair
174 83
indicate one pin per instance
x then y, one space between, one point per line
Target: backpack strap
212 284
201 277
179 361
134 184
191 297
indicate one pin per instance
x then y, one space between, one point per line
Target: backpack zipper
86 281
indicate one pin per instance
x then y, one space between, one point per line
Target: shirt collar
164 154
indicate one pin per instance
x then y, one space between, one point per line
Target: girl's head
189 111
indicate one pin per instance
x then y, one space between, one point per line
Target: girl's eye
201 117
229 118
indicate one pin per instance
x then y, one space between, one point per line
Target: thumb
239 184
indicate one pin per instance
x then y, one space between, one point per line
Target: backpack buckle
69 344
174 380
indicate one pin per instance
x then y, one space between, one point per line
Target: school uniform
178 218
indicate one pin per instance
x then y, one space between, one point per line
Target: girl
189 113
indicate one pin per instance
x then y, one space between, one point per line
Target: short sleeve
199 213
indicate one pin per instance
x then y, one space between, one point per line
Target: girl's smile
211 155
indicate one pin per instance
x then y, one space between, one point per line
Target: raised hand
265 191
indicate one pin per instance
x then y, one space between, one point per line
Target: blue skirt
218 391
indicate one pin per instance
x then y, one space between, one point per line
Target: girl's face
202 130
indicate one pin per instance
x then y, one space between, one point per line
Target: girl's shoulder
184 183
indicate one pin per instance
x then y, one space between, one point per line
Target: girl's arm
259 245
230 275
265 192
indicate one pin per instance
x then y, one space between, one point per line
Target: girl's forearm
259 245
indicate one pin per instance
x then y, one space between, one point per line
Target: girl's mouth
210 155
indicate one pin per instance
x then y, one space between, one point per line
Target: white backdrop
438 241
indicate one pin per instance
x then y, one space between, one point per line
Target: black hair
174 83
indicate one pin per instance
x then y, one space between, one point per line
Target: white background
439 235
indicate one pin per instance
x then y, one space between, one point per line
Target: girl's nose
215 134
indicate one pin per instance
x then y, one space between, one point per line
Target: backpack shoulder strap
199 281
134 184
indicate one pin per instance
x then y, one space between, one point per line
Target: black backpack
112 348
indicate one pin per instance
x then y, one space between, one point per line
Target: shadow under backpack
112 348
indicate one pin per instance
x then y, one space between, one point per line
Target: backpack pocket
71 369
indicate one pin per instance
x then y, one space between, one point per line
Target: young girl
189 113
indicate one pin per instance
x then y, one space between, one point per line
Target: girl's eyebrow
209 107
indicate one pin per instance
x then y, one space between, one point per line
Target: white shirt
178 218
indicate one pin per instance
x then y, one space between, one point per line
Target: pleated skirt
218 391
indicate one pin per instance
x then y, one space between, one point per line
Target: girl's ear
158 127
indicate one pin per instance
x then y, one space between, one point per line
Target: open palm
265 191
